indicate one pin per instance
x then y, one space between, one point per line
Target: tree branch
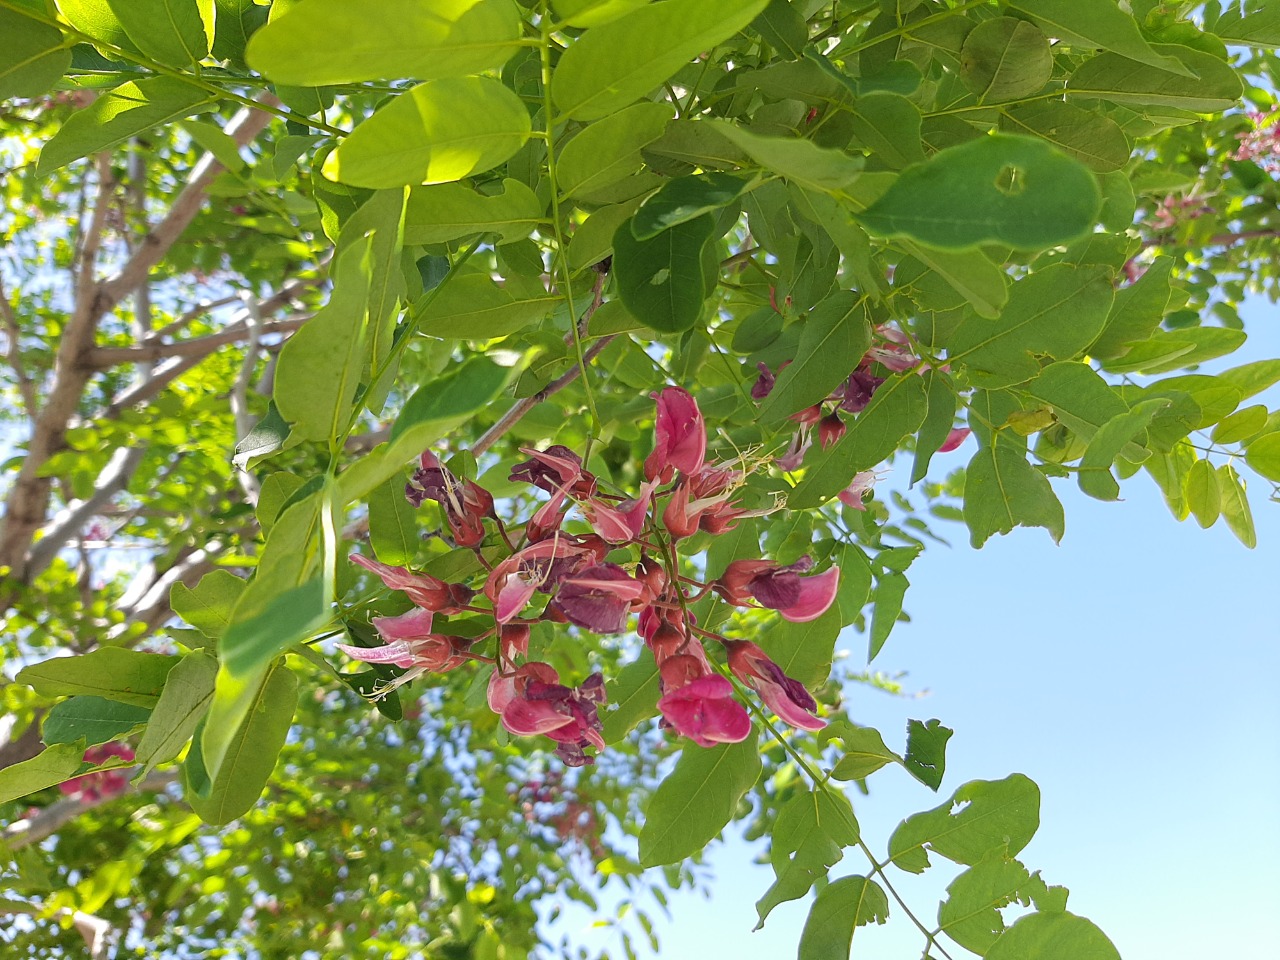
47 822
103 358
1218 240
512 416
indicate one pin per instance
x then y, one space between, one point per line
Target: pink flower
411 647
532 701
103 784
465 503
701 501
784 696
705 711
424 590
954 439
599 598
799 599
622 523
895 354
680 437
851 496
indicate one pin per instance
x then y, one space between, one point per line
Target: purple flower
599 598
784 696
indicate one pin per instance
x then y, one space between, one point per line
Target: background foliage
279 230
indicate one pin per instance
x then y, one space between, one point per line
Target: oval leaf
662 280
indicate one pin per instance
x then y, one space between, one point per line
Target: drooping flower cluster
552 575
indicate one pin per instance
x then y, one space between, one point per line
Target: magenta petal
398 654
954 439
778 699
526 718
515 593
816 595
414 625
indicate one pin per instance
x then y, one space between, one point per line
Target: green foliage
1035 218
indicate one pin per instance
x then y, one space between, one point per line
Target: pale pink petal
398 654
778 699
512 596
527 718
816 595
414 625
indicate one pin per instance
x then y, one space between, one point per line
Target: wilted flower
851 496
830 430
465 503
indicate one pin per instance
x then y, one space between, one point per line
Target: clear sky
1131 672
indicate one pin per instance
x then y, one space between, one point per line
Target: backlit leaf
1235 506
697 800
801 161
46 769
1003 491
176 32
1095 140
33 56
188 691
1203 496
439 131
126 676
1096 24
1053 936
839 909
609 149
1263 455
834 336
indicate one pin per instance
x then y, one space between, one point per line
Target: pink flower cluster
552 575
93 787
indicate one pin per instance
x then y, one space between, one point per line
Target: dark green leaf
926 757
1095 140
833 339
188 691
1110 76
683 199
889 593
633 698
937 424
1005 59
1001 188
92 719
1096 24
662 281
33 56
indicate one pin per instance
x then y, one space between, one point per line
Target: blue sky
1131 672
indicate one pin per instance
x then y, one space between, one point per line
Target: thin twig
103 358
524 405
13 334
239 398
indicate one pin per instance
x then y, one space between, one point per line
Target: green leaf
889 593
125 676
839 908
114 117
801 161
1202 493
92 719
1001 188
1095 140
682 199
804 650
335 41
207 606
449 211
609 150
176 32
1252 378
393 524
618 62
1110 76
593 240
970 273
633 696
864 753
46 769
888 125
1259 28
1081 400
808 838
1235 506
438 131
188 691
1057 312
264 626
982 816
897 409
235 21
250 750
926 757
937 424
1241 425
319 368
1003 491
1005 59
1053 936
1178 349
834 336
592 13
697 800
33 57
96 19
1095 469
662 281
1263 456
471 306
1096 24
1136 312
971 913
